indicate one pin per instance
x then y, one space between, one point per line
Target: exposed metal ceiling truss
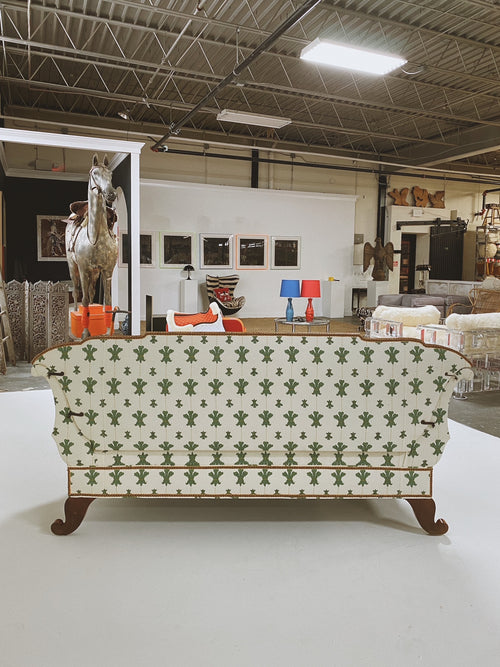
159 59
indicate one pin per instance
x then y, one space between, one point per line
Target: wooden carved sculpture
399 196
91 245
383 256
437 199
421 196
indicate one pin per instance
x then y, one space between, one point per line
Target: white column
115 292
135 231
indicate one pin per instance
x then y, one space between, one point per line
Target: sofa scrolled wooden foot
75 509
239 415
425 512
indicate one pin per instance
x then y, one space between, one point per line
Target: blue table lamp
290 289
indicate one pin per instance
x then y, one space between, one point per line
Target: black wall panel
446 253
25 199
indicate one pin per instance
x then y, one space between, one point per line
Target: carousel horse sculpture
91 244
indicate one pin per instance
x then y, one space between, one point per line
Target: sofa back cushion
390 300
250 399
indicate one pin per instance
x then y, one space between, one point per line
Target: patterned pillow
223 294
209 321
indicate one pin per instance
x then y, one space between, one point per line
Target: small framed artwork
176 250
285 252
50 233
216 251
251 252
147 250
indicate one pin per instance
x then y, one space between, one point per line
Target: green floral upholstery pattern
250 415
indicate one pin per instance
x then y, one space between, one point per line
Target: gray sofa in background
442 301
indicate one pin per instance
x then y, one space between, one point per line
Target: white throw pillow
408 316
472 321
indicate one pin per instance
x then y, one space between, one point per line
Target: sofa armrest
460 308
458 303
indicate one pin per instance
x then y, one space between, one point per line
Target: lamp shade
290 288
311 289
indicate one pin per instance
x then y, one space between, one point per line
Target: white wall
297 178
325 223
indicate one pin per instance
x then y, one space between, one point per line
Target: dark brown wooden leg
75 509
425 511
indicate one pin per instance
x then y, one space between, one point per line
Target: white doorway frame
120 149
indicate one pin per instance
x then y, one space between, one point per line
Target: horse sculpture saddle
79 209
79 214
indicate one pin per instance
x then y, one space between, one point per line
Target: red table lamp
311 290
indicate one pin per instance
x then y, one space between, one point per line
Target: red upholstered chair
233 324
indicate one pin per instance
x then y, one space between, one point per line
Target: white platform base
256 548
374 289
189 296
333 296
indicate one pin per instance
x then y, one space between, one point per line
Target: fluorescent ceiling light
252 118
360 60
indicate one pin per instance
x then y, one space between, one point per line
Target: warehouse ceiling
172 65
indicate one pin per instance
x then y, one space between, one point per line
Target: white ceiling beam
69 141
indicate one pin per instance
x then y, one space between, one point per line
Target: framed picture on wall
216 251
251 252
285 252
50 231
176 250
147 249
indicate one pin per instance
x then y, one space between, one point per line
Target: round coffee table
301 322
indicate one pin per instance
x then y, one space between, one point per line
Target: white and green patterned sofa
250 416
